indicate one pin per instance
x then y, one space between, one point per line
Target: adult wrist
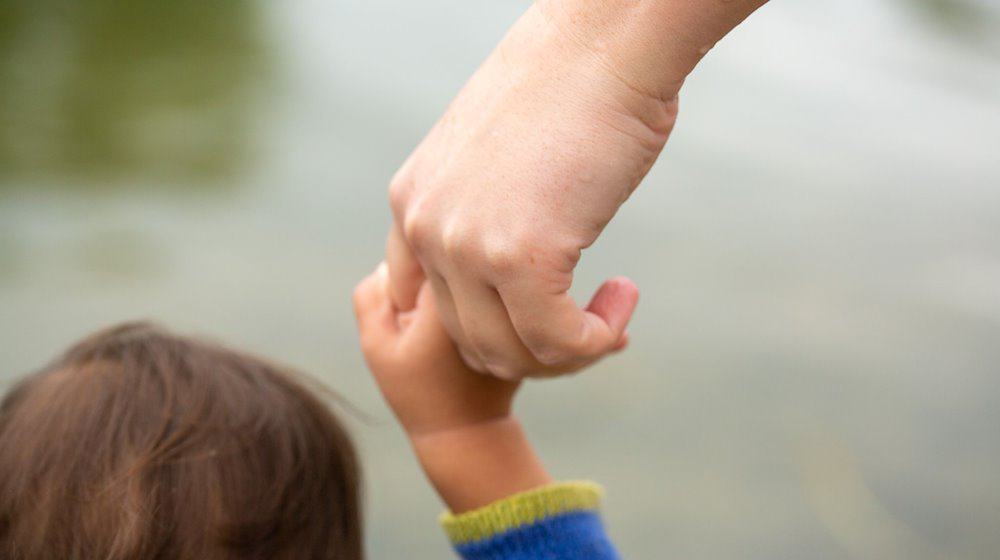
629 39
576 49
652 45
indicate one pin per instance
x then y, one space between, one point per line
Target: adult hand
530 163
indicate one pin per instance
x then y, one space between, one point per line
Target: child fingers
427 318
427 327
405 274
370 292
374 311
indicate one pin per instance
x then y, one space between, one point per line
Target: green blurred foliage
967 19
105 90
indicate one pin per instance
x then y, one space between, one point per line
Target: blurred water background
815 367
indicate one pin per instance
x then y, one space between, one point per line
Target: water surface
814 370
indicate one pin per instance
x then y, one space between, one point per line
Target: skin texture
459 422
528 165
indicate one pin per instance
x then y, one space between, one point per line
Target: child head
140 444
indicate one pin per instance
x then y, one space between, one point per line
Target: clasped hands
529 164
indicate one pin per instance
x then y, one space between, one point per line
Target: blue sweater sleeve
556 522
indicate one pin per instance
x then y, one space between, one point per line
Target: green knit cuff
522 509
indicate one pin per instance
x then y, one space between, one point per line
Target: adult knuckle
559 350
508 371
486 349
507 256
357 296
470 357
400 188
458 241
552 356
502 260
418 227
546 351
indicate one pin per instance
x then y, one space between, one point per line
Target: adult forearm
652 45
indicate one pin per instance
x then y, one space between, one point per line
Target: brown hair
140 444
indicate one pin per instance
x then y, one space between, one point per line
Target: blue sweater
556 522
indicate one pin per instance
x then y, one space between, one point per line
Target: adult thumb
614 302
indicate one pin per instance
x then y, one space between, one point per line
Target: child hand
459 422
417 367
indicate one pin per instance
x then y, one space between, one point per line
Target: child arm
503 504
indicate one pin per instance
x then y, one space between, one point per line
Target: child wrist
476 465
458 431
